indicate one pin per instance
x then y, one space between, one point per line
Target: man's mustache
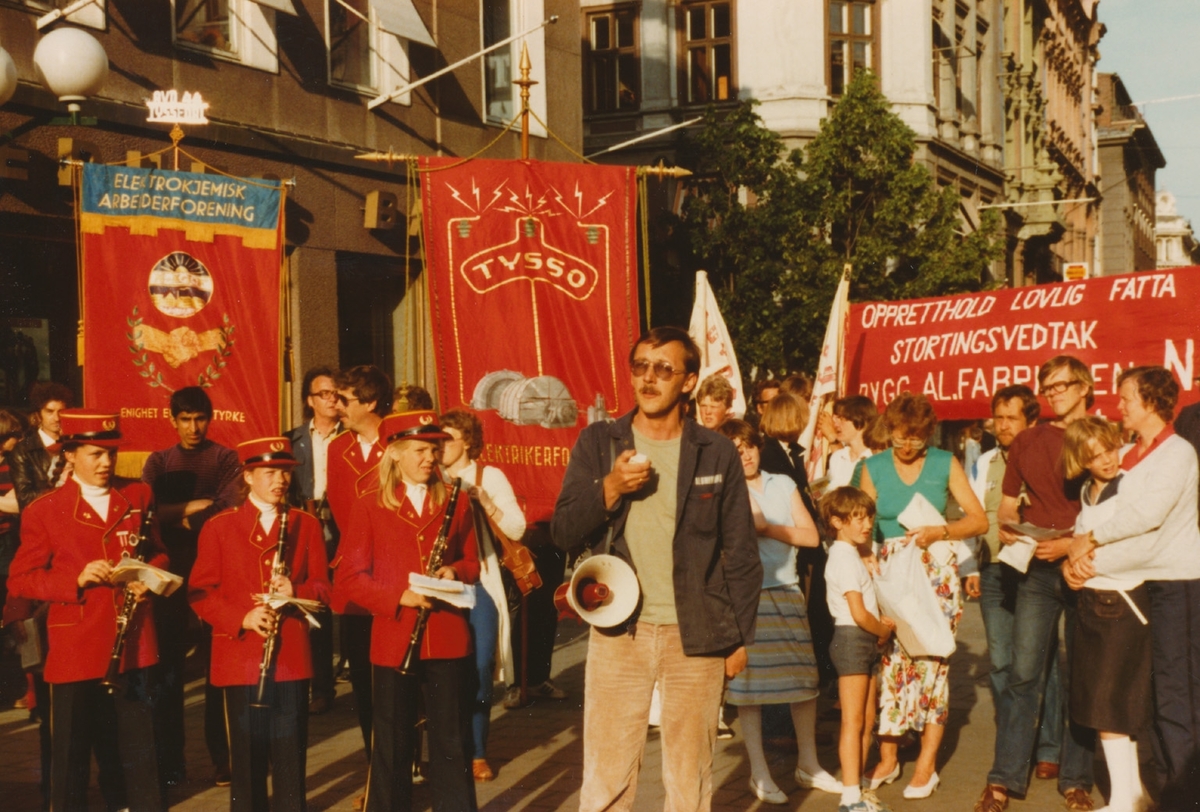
649 390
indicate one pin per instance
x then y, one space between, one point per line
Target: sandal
988 802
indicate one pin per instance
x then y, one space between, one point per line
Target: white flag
830 372
707 329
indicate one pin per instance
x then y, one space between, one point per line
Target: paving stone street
537 752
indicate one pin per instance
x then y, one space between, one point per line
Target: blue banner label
213 200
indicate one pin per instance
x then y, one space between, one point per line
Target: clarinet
128 607
279 568
435 563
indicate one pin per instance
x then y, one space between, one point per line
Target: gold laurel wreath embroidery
177 347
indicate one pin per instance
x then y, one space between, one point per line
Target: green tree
774 228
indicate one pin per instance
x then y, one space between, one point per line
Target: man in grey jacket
675 497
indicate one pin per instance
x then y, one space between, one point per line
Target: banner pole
525 83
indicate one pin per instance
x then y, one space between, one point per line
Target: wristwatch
945 532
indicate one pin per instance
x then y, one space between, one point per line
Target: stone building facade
1129 157
656 63
288 97
1052 192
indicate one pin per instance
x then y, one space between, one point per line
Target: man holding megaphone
667 497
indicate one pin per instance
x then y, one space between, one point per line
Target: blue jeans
998 585
485 628
1175 630
1042 598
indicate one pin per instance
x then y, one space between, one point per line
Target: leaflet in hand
1033 532
306 606
1018 554
920 513
455 593
158 581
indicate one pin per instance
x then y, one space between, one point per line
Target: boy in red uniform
71 539
390 536
237 561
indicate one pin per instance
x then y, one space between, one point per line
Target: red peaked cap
267 452
86 427
419 425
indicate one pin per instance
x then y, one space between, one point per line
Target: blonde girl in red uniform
391 535
236 561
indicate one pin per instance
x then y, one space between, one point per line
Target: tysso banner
533 281
958 350
178 269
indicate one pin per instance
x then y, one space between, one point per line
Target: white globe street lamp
8 77
72 64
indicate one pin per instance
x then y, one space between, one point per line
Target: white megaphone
603 592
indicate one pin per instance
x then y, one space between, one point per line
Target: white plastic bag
907 597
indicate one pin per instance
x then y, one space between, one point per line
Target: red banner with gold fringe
181 287
532 271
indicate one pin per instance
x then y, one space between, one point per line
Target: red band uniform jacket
349 477
60 534
380 548
233 563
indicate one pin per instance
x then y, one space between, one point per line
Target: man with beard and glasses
1014 409
675 497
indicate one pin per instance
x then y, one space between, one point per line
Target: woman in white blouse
492 494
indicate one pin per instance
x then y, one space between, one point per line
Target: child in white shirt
859 631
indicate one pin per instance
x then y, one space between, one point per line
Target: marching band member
391 535
71 539
237 561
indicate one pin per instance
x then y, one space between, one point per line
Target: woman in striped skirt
782 669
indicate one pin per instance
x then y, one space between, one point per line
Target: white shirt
48 441
846 572
1152 533
366 446
320 456
266 512
97 497
497 486
416 496
840 468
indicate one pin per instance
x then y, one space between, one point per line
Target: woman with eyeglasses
914 691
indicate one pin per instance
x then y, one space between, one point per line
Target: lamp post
72 65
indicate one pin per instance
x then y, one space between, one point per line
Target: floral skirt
915 691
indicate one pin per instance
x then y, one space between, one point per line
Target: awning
400 17
279 5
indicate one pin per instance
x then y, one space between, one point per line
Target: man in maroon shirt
192 481
1034 477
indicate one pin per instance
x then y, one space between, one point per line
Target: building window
240 31
611 73
351 54
205 23
708 51
851 40
498 76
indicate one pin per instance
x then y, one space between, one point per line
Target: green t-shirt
650 529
